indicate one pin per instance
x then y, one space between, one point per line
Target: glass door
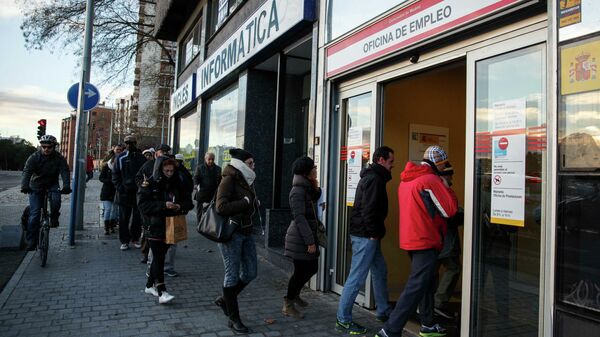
507 175
356 143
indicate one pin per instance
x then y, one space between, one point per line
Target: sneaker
442 313
350 328
432 331
137 244
165 298
381 333
151 291
124 247
171 273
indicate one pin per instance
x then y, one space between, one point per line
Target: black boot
106 227
220 302
235 323
239 287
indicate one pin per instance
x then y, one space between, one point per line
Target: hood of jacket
378 170
412 171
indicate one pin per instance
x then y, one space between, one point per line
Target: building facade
67 139
508 87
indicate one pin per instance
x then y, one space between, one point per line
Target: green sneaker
350 328
432 331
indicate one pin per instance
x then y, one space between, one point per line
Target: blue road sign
91 99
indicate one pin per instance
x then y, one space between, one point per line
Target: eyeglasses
47 146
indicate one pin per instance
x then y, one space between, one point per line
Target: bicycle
44 237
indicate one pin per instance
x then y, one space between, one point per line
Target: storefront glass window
189 140
222 117
510 153
578 227
345 15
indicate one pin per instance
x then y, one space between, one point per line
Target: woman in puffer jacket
159 197
236 199
301 237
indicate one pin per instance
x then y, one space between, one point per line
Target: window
345 15
578 228
220 11
190 46
189 140
222 117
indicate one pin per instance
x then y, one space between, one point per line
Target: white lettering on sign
407 26
184 95
269 22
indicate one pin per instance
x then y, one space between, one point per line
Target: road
9 179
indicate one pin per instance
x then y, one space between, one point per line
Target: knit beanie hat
240 154
435 154
303 165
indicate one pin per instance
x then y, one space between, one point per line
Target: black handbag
321 230
214 226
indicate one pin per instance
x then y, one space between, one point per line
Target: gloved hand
66 190
26 190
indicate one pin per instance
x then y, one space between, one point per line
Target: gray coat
302 231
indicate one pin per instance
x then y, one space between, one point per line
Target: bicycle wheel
44 241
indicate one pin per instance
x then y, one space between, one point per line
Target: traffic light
41 128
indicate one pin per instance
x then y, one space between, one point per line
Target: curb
14 280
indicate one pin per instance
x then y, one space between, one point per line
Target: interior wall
437 98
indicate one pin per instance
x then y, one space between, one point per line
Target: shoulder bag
214 226
321 230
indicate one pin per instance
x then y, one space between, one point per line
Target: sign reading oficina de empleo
270 21
184 95
509 143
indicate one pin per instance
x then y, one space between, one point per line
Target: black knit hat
240 154
303 165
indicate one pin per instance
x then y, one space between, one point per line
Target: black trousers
125 233
303 271
157 268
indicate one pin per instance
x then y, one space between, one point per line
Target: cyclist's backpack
25 218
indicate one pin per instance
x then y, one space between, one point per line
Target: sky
34 84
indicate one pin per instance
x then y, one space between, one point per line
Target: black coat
451 246
125 169
151 169
207 179
107 193
43 171
152 199
302 231
230 199
370 203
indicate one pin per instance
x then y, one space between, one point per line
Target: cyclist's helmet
48 139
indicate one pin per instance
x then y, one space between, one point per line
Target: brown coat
230 199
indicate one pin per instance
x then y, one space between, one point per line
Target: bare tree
118 32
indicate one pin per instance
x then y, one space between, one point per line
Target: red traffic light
42 122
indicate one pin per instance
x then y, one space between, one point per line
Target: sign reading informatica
184 95
269 22
406 27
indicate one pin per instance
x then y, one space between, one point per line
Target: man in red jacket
425 203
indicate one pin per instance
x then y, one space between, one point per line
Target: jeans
169 264
157 276
110 210
448 281
239 259
419 291
366 255
35 210
125 234
303 271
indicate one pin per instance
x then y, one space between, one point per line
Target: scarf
247 172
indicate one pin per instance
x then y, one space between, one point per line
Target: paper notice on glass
509 115
351 184
355 136
355 158
508 180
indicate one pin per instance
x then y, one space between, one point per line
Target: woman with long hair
301 237
107 193
161 196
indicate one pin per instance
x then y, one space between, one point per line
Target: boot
106 227
220 302
235 323
239 287
290 310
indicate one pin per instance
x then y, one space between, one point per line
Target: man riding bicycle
40 175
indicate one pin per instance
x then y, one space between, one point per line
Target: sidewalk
94 289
